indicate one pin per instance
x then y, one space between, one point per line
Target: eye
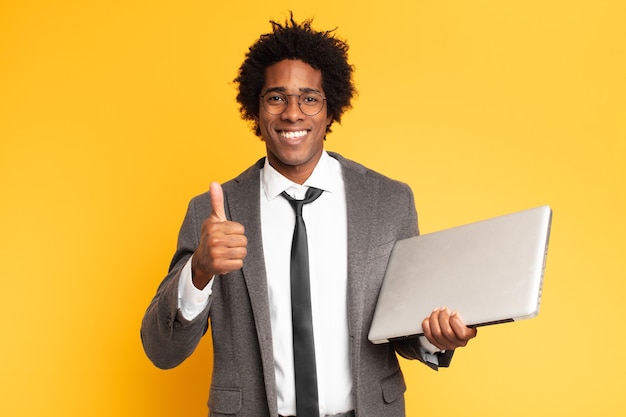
311 99
275 99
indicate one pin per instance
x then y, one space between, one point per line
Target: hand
446 330
222 243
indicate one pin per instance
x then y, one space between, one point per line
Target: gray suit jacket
380 211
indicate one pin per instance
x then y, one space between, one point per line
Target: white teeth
293 135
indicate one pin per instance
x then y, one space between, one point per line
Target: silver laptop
490 272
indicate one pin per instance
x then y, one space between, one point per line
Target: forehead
292 76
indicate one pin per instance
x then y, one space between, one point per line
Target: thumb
217 202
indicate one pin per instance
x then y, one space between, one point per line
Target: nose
292 111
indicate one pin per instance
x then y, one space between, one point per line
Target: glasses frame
261 96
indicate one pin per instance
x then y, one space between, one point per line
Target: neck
296 173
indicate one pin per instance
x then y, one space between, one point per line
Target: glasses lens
274 103
310 103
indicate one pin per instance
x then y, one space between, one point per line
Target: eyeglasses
310 103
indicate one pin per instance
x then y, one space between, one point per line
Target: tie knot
311 195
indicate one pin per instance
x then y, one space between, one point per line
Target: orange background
114 114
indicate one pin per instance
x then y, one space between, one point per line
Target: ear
257 128
329 121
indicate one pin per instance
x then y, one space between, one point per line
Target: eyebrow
283 90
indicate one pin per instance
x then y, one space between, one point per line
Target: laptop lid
489 271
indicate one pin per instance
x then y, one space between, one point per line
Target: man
233 265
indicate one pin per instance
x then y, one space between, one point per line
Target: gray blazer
380 211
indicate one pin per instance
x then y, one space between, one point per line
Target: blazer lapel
361 193
243 200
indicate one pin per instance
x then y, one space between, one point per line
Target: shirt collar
326 176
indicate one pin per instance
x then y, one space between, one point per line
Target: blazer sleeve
167 337
410 349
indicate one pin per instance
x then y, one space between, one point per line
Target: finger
220 255
442 331
461 330
217 202
225 233
428 333
432 330
447 336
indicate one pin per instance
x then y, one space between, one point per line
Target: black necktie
302 322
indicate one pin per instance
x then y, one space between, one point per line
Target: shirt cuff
430 353
191 300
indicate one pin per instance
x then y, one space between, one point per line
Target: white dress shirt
326 225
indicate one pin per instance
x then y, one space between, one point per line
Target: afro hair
297 41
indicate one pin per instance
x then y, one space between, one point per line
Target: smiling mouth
293 134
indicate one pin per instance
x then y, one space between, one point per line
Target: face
294 141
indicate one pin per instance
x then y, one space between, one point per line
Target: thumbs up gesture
222 243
